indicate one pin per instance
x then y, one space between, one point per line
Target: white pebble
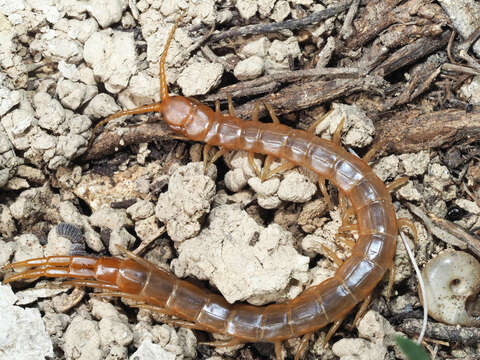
235 180
199 78
249 68
296 188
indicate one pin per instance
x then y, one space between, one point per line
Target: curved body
316 307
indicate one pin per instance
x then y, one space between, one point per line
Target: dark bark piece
289 24
410 53
376 17
269 83
109 141
438 331
412 131
302 96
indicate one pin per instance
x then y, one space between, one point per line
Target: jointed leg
303 344
332 331
278 350
314 125
404 222
323 189
391 280
338 132
362 310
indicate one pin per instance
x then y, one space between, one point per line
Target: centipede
201 309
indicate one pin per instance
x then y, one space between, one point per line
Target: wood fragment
411 53
247 88
450 333
471 242
412 131
109 141
289 24
302 96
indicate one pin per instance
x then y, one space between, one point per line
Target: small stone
106 12
101 106
280 11
387 167
112 56
27 247
269 202
148 229
470 91
199 78
23 331
264 188
415 164
150 351
257 47
82 340
249 68
112 219
235 180
296 187
247 8
141 210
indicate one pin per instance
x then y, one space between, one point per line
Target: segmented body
316 307
327 302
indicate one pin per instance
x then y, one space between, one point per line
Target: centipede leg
373 150
317 122
222 343
391 280
92 284
331 254
404 222
267 172
231 109
302 346
338 132
362 310
171 322
207 162
278 350
253 165
348 241
139 110
397 183
323 189
332 331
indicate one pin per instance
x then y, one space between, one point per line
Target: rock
112 56
150 351
296 187
187 200
249 68
415 164
199 78
465 15
357 128
387 167
106 12
247 8
23 331
244 260
141 210
235 180
82 340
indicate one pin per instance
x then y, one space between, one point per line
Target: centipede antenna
420 283
163 76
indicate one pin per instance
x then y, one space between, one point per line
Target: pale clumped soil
67 64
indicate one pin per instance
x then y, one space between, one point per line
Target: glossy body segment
316 307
